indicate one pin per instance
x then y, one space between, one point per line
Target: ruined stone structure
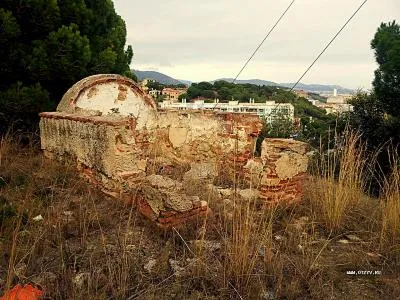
135 153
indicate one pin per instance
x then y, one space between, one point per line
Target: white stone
38 218
176 268
201 171
343 241
150 265
353 238
161 182
226 192
79 279
106 98
206 244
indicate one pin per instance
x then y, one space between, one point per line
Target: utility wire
330 42
262 42
323 51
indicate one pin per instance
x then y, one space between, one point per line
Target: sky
210 39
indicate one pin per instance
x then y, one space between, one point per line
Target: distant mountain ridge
251 81
319 87
159 77
301 86
165 79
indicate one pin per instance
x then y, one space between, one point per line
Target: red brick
144 208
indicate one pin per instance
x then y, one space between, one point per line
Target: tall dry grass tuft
390 204
340 180
248 241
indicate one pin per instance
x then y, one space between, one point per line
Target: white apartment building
269 110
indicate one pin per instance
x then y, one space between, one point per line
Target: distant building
337 108
315 102
339 99
337 104
301 93
269 110
154 93
173 94
334 94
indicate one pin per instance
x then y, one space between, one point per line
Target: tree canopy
377 115
48 45
386 44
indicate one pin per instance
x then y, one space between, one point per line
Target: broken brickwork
284 168
135 153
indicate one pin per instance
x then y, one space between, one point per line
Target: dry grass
82 248
390 205
340 181
91 247
248 238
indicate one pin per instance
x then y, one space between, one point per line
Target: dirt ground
73 242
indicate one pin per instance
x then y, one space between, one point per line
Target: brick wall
284 168
117 136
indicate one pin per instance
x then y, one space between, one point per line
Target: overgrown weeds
340 181
248 240
87 246
390 205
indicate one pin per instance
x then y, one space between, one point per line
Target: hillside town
171 98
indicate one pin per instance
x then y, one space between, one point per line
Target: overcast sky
209 39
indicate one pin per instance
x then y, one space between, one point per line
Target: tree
193 91
281 126
386 44
48 45
209 94
182 96
377 115
225 93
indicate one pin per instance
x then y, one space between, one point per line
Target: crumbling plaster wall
115 147
116 135
285 164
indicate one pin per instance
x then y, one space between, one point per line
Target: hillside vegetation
47 46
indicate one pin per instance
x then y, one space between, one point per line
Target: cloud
196 39
152 69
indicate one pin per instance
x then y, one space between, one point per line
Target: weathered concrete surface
107 95
123 145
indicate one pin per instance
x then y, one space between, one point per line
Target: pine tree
48 45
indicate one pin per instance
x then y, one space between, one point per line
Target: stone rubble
176 267
149 266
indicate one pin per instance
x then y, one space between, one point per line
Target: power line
323 51
262 42
330 42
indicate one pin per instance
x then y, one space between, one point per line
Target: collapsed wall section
121 142
115 147
285 164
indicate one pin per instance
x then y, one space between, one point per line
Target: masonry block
284 169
